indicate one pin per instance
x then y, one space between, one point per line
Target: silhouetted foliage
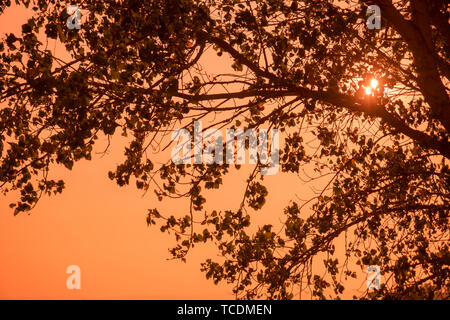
299 66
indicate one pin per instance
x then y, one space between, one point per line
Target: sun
374 83
373 86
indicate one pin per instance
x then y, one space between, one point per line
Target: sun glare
374 83
368 90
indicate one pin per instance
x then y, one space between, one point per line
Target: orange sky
101 227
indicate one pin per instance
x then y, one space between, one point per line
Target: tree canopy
303 67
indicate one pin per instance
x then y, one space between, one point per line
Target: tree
304 67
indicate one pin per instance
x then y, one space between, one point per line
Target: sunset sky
101 227
98 226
